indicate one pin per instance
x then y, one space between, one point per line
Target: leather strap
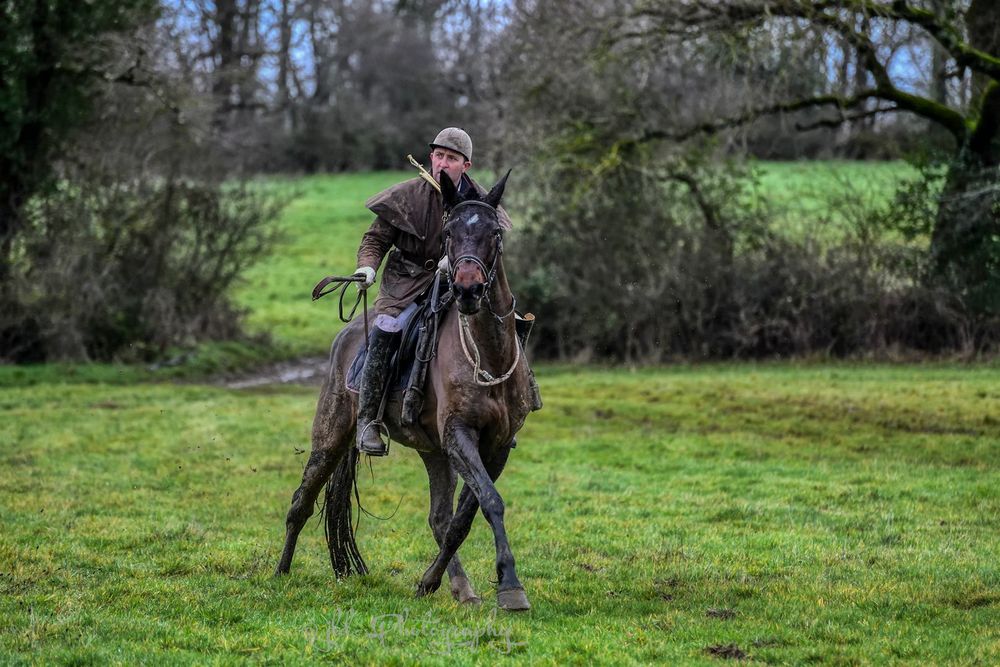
421 263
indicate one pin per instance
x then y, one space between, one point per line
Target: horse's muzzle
469 297
469 286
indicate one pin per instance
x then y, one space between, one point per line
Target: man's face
455 164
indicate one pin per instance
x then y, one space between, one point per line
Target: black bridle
491 272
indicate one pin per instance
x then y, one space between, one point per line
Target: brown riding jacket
409 217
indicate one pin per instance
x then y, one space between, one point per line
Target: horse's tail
344 554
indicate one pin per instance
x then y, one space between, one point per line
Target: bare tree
333 84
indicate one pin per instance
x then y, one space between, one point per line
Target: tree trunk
284 67
24 166
861 79
982 20
965 250
227 59
983 23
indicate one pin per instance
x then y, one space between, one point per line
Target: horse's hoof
513 599
462 591
424 588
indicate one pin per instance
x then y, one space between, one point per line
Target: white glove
368 273
444 266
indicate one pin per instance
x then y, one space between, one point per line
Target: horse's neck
495 336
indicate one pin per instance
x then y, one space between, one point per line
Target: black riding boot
522 326
373 378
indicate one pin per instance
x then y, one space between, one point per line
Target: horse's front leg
458 529
461 522
462 446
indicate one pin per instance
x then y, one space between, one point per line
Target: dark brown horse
477 398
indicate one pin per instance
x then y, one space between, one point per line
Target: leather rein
340 284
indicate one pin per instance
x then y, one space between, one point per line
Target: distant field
812 183
814 197
323 224
790 513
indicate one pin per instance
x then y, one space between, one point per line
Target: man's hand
444 266
368 273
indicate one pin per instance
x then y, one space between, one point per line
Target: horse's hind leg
458 530
442 489
333 431
317 470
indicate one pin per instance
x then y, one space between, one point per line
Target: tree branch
712 127
708 210
844 118
724 15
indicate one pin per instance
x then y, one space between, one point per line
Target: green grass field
791 513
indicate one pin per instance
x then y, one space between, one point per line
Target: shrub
629 257
124 271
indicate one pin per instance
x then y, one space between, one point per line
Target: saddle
417 346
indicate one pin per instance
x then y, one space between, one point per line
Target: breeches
393 322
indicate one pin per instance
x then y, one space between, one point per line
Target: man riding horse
409 218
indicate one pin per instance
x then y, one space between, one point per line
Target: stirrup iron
367 445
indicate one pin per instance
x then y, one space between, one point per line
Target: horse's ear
496 193
449 193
